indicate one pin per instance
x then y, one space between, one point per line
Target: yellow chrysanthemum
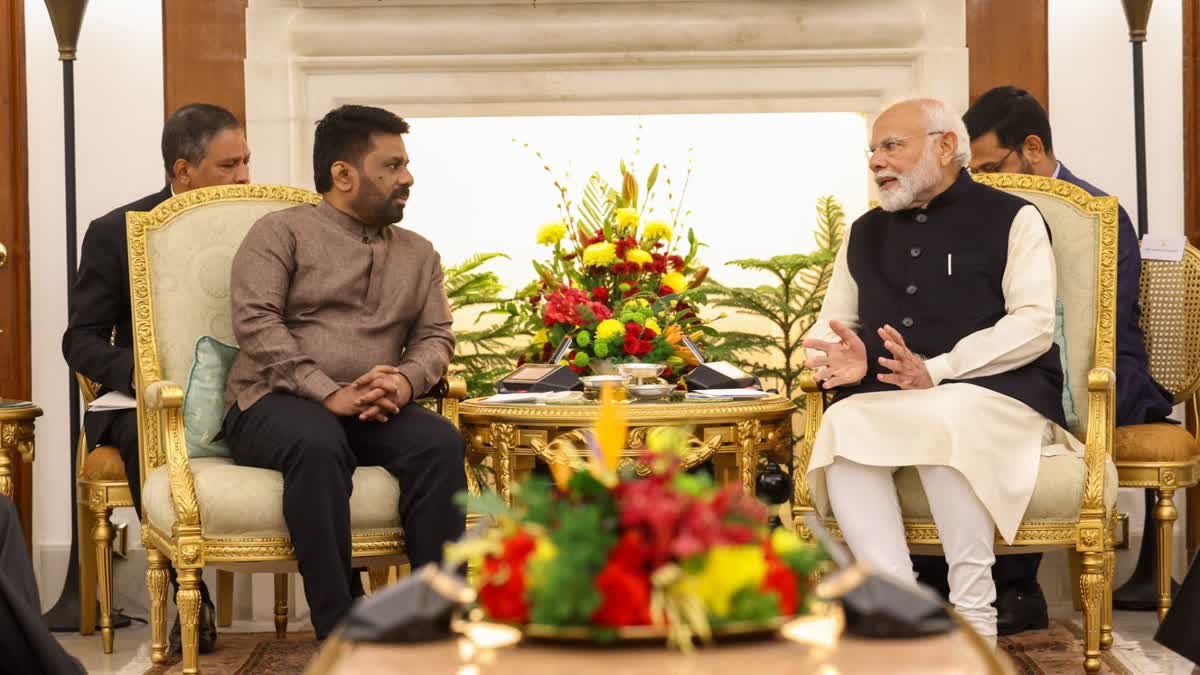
627 220
601 254
675 282
637 255
784 541
551 233
609 328
656 230
727 570
541 337
544 553
653 325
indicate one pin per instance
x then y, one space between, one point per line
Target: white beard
923 176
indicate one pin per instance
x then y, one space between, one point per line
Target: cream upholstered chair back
1083 229
180 255
1170 293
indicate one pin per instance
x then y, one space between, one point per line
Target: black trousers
1181 626
317 453
26 644
121 431
1017 571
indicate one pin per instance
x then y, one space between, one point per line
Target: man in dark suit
1010 133
202 145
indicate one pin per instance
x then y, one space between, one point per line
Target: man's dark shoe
1020 610
208 632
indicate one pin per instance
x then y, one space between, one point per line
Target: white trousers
864 501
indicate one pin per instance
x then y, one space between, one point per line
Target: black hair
344 135
190 129
1014 114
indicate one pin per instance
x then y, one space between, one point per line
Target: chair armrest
1102 392
163 401
814 409
449 386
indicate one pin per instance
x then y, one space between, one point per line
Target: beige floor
1133 646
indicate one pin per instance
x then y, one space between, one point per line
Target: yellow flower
551 233
609 328
675 282
637 255
784 541
627 220
653 325
655 230
727 570
544 553
541 337
599 255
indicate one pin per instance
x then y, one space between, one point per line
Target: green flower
582 360
583 339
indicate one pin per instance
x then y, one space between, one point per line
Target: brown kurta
320 298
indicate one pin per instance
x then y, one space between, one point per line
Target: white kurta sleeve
841 300
1027 330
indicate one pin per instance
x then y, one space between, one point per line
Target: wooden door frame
16 364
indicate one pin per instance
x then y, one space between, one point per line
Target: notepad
113 400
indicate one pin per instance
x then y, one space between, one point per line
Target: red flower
631 553
600 294
505 601
676 262
625 597
633 290
631 346
664 291
782 582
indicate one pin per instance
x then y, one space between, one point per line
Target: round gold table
733 434
16 433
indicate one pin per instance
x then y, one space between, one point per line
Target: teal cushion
1060 339
204 400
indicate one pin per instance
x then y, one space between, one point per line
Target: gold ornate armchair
1073 501
1163 456
208 512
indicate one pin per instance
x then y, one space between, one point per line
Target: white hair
941 116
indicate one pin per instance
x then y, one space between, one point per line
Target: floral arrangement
618 282
606 550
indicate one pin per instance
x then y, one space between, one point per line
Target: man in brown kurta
342 320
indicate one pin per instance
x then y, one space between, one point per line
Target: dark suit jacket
99 338
1139 398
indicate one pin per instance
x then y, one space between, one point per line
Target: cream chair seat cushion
1057 495
245 502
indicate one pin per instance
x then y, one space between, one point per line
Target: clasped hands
379 392
845 362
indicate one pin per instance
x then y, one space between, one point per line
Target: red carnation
782 582
625 597
600 294
506 601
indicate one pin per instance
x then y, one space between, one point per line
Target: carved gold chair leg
102 536
1075 570
188 601
224 598
87 571
156 584
379 577
281 606
1091 583
1110 566
1165 516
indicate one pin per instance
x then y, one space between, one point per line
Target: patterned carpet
252 653
1058 649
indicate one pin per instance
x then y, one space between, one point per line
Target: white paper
1168 247
728 393
113 400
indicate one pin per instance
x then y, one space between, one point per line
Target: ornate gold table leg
749 432
6 483
503 438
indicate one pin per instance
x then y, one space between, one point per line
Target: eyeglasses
892 146
993 167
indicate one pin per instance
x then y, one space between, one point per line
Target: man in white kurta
937 336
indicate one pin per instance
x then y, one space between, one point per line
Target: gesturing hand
386 392
908 369
843 362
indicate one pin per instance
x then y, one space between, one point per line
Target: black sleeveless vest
935 275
